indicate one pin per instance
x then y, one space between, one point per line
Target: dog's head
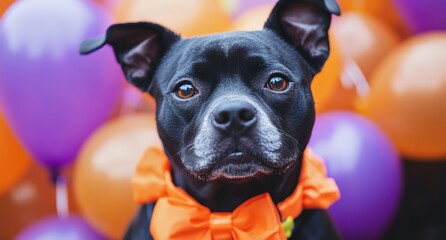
235 105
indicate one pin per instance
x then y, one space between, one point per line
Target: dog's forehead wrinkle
225 43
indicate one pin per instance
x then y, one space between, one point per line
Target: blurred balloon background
14 160
31 199
71 228
380 100
407 97
104 169
190 18
422 16
367 169
4 5
45 85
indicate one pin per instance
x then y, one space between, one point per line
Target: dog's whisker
186 149
289 137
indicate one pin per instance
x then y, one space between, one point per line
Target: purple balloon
53 228
423 16
366 168
52 97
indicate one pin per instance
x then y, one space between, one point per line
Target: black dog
234 110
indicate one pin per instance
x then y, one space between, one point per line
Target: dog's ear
138 48
304 24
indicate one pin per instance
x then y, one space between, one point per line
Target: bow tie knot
220 225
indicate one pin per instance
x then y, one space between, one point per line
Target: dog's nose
234 117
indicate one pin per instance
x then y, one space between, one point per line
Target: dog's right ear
138 48
304 24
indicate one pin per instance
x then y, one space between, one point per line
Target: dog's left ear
138 48
304 24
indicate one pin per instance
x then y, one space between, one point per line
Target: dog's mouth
237 165
240 165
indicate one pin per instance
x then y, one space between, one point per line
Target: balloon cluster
380 96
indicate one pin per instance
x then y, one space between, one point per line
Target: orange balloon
381 9
253 19
326 82
31 199
187 17
14 160
363 41
4 4
408 96
104 169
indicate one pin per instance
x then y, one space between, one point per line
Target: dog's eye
277 83
186 90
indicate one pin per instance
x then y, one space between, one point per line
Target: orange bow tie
178 216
